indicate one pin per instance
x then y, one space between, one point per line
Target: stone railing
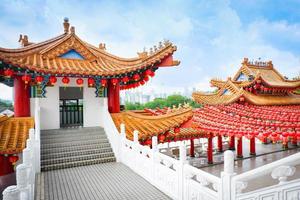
179 180
283 182
30 166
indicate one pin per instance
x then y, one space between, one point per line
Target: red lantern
52 80
176 130
26 78
8 73
39 79
91 82
161 138
103 82
142 82
148 72
65 80
146 78
136 77
125 79
79 82
148 142
152 73
114 81
13 159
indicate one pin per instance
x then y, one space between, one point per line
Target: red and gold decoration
103 82
91 82
8 73
125 79
39 79
79 82
26 78
13 159
136 77
52 80
114 81
65 80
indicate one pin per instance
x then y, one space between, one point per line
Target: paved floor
103 181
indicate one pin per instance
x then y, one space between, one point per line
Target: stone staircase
65 148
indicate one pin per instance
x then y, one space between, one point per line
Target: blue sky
212 36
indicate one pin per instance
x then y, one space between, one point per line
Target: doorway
71 106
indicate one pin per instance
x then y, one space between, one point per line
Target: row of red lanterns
8 73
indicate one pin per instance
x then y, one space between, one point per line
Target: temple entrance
71 106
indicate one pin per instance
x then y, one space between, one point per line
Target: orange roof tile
46 57
14 133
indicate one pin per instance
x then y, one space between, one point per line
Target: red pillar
113 98
21 98
232 143
240 147
252 146
220 143
192 149
210 150
294 141
6 166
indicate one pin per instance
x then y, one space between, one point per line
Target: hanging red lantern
80 82
52 80
176 130
26 78
39 79
13 159
136 77
103 82
114 81
146 78
161 138
8 73
152 73
142 82
65 81
148 72
91 82
148 142
125 79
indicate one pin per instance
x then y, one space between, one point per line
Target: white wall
92 106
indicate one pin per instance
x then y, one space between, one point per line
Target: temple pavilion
74 80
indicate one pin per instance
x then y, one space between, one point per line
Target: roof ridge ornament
66 25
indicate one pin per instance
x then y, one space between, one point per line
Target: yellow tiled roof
14 133
149 126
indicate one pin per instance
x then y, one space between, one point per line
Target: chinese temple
66 70
258 103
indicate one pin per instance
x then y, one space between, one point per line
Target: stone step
67 154
73 143
76 158
71 134
72 139
74 148
72 130
77 163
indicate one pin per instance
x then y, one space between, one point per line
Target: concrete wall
92 106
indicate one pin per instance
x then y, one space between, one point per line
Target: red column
192 149
210 150
220 143
240 147
294 141
21 98
252 146
232 143
113 98
6 166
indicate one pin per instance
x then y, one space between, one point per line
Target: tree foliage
162 102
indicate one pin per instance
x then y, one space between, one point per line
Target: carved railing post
226 176
23 181
182 159
11 193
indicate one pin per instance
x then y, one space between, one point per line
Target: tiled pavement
108 181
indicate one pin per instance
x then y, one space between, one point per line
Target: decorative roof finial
66 25
72 29
102 46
